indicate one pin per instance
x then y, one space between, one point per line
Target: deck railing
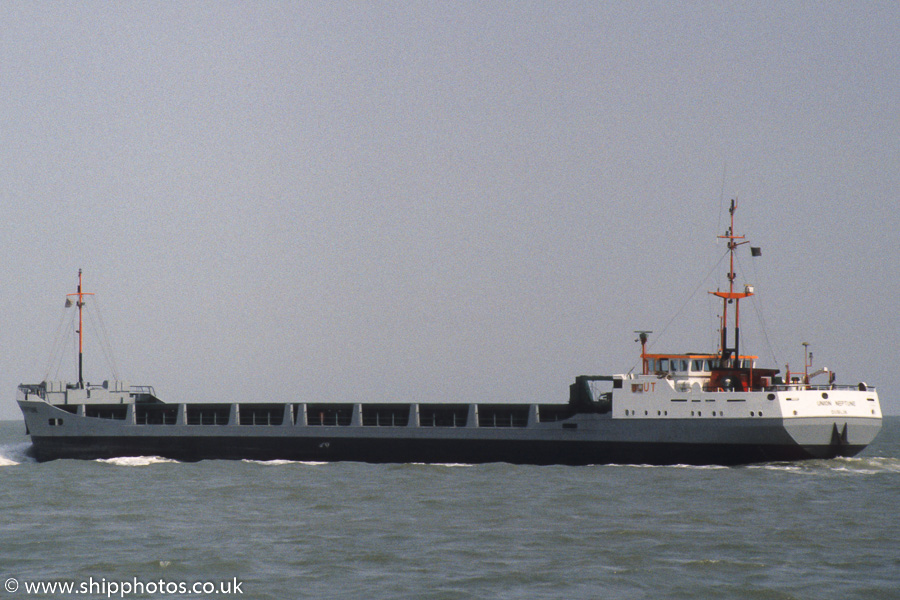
797 386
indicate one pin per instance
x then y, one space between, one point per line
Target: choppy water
818 529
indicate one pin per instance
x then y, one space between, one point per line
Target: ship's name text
837 403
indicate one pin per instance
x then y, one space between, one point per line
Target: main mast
80 303
731 296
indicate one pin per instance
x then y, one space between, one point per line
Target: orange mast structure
80 303
732 296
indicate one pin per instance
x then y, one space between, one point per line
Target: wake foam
445 465
866 465
675 466
280 462
14 454
135 461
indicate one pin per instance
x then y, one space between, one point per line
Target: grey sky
444 201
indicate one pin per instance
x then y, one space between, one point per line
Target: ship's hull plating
373 450
581 439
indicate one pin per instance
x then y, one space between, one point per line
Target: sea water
145 527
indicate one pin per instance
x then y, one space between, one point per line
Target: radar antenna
643 336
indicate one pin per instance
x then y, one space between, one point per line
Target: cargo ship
716 408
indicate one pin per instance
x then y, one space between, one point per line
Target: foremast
80 304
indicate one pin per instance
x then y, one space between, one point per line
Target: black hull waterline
373 450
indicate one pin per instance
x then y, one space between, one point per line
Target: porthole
795 413
646 413
752 414
771 396
825 395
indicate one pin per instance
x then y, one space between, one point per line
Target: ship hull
580 439
533 452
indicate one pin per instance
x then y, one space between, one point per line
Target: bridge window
664 364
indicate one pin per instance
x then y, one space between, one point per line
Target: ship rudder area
827 437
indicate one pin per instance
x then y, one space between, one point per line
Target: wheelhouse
692 365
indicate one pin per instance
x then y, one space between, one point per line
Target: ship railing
796 386
781 387
32 389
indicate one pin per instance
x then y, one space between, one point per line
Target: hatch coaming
190 418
